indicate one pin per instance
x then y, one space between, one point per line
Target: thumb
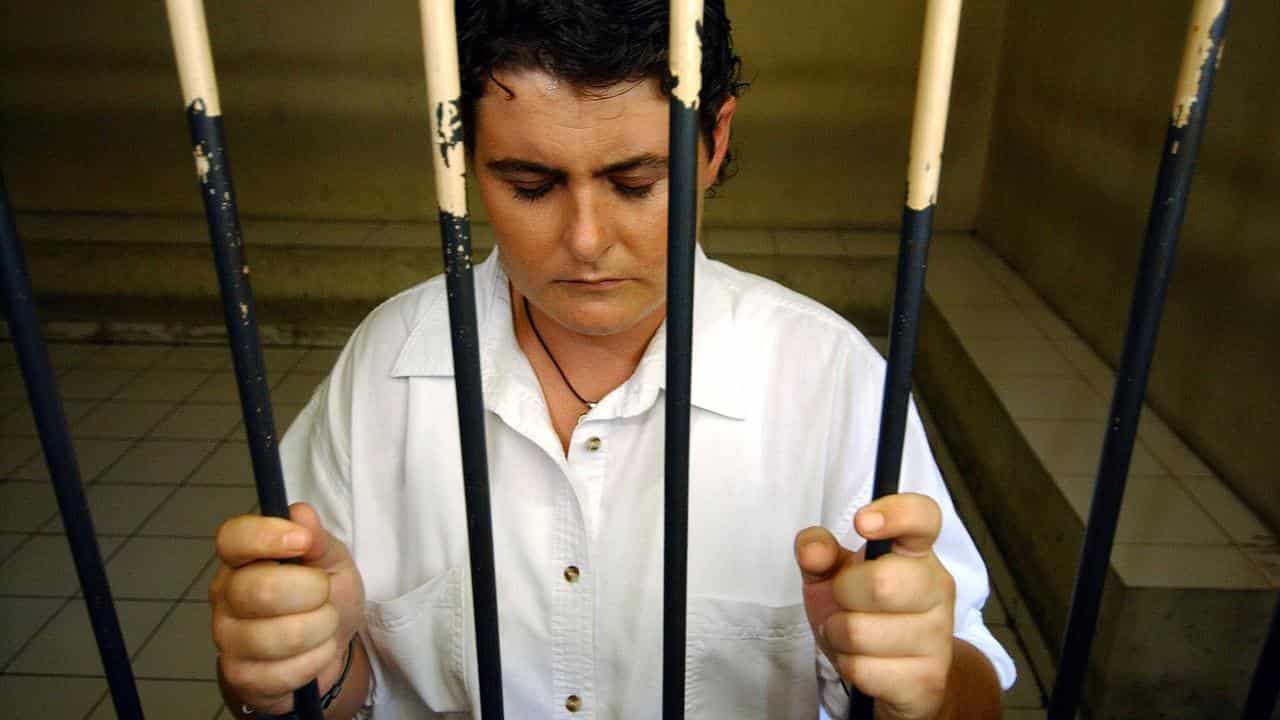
819 555
323 550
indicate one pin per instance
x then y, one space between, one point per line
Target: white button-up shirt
786 399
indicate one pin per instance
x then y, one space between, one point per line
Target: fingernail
295 540
872 522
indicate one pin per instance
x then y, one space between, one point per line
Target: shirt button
571 573
593 444
573 703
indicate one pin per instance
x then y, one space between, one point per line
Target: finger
248 538
888 634
893 584
267 684
270 589
276 638
911 520
323 550
818 554
909 684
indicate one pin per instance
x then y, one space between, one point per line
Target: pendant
590 406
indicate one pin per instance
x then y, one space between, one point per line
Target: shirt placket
573 606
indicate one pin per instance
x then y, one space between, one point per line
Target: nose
585 234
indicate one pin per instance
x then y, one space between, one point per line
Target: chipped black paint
1168 208
455 239
682 230
238 312
904 330
64 471
448 128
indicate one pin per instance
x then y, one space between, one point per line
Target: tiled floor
163 461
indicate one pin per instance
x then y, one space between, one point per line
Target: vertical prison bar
685 63
444 96
204 117
1263 691
1168 207
64 472
924 169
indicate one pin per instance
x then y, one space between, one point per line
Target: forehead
544 116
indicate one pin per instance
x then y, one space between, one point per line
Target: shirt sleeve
855 419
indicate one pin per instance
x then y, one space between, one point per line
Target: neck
595 364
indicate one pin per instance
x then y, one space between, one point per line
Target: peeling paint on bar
685 52
1204 47
195 66
933 95
444 93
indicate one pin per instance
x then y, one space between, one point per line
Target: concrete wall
325 111
1084 98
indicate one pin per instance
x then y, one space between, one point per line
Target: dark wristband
325 700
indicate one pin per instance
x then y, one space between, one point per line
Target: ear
720 136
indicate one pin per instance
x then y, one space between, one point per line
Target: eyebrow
516 165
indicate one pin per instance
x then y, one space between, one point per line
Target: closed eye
633 191
531 193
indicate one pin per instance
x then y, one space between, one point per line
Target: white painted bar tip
444 101
933 96
684 55
1204 15
195 57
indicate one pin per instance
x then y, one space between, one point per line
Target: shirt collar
717 361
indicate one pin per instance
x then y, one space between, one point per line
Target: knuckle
883 585
221 631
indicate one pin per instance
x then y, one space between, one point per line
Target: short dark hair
592 44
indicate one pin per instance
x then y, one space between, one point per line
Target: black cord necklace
529 314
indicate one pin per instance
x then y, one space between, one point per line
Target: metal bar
444 92
64 472
204 117
924 169
1173 185
685 62
1261 703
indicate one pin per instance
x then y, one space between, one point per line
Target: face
576 189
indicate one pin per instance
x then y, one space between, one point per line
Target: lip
601 283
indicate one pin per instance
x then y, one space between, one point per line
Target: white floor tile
1074 447
115 419
1037 397
163 384
25 506
1004 323
117 509
198 511
228 465
1155 510
20 619
1186 566
43 567
1241 524
67 645
1017 357
157 568
198 422
319 360
93 455
93 383
128 357
198 357
181 648
15 452
20 421
159 462
49 698
171 700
